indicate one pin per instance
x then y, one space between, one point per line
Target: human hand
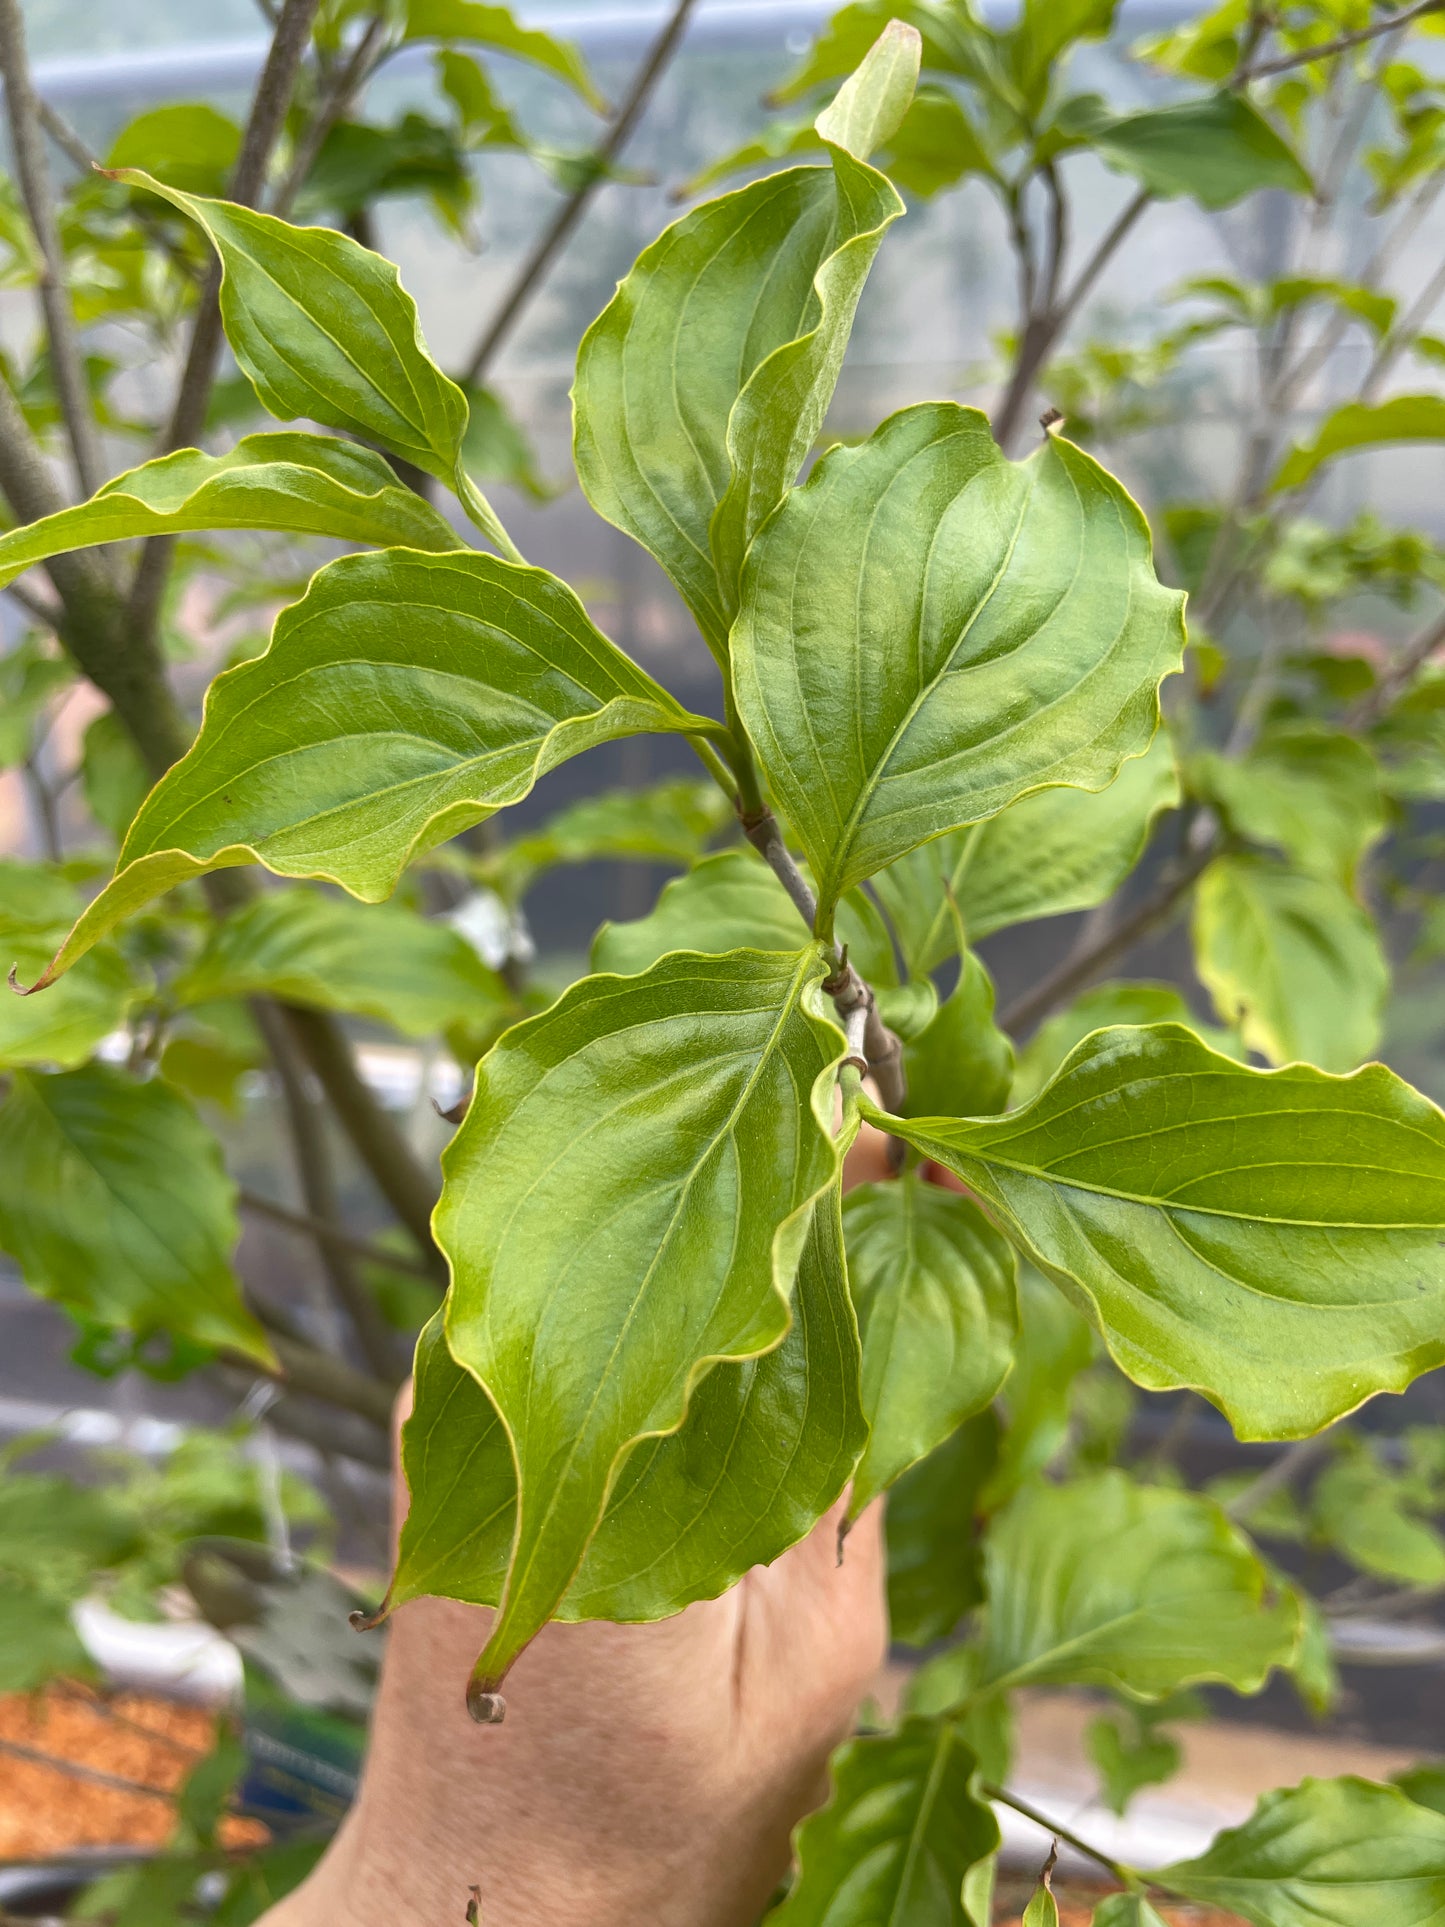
643 1774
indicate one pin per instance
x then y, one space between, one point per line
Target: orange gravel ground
44 1810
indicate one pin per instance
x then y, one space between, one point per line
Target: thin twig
549 244
302 1367
1398 677
40 608
340 91
881 1050
188 412
323 1232
1326 49
66 138
1281 1472
307 1127
1039 335
1080 968
32 167
1125 1876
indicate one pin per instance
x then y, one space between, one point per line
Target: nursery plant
958 694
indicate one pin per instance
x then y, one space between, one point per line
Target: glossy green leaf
870 105
487 25
764 1451
1104 1582
1214 1220
1404 418
937 1311
703 384
1127 1910
626 1203
325 331
300 484
962 1064
403 698
1344 1852
378 961
951 36
908 1009
929 632
1099 1009
1054 851
1214 150
36 908
114 1202
902 1829
1312 793
1292 961
935 1564
733 901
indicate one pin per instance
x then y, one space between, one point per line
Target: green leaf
1214 1220
29 677
764 1451
1424 1784
896 1839
300 484
1103 1582
403 698
1313 793
625 1204
962 1063
1042 1910
114 1202
936 146
37 1641
951 35
189 145
1346 1852
325 331
935 1568
36 907
1098 1009
667 822
1127 1910
1291 960
1054 851
1361 1509
1129 1761
703 384
496 449
937 1311
733 901
912 604
870 105
1404 418
378 961
1215 150
112 774
498 28
1054 1345
1046 30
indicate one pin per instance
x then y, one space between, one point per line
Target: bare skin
643 1773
